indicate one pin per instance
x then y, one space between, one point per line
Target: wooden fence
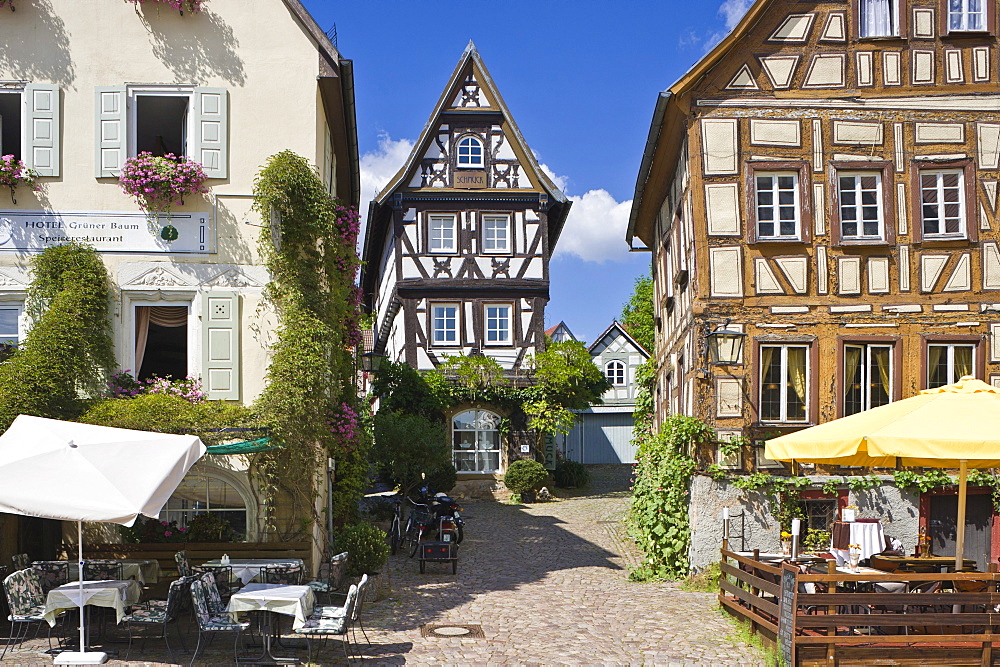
841 619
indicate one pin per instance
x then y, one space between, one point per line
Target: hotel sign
470 180
34 231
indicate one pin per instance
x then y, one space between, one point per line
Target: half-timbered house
457 249
825 181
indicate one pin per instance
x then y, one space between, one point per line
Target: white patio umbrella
81 472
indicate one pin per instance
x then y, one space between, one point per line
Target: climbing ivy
658 518
67 355
309 402
923 482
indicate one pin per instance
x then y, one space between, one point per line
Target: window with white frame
162 122
29 125
614 370
777 202
862 215
878 18
444 324
498 324
496 233
470 153
784 383
942 202
476 441
948 362
966 15
200 493
867 377
9 336
441 233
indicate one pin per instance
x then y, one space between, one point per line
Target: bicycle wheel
416 542
394 535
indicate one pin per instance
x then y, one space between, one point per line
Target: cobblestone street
547 585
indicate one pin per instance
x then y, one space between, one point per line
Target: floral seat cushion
324 626
147 616
328 612
223 623
34 613
319 586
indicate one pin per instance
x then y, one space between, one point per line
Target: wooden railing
838 619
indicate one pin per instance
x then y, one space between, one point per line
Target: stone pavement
546 584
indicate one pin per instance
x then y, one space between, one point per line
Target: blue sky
581 79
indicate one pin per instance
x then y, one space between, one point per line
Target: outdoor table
247 569
116 594
867 535
294 601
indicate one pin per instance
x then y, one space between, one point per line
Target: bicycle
416 524
396 529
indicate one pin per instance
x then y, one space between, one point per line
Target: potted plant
13 172
524 477
367 553
160 182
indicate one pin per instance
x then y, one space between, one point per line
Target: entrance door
978 522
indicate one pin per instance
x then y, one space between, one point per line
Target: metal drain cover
452 630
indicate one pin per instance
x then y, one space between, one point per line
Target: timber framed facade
826 181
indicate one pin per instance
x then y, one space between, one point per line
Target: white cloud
378 166
733 11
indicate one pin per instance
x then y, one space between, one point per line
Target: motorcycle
446 513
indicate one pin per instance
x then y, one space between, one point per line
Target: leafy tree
401 388
406 445
638 318
567 376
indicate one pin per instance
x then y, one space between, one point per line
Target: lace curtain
878 18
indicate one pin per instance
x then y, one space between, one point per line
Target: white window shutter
110 131
211 131
41 125
220 345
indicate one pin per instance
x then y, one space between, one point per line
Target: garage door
601 438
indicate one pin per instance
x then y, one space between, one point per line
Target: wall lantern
371 362
725 346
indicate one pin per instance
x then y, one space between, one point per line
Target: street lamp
372 362
725 346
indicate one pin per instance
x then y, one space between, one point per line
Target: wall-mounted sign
469 180
34 231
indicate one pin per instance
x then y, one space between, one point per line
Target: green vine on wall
309 402
67 355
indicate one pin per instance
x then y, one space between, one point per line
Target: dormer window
470 153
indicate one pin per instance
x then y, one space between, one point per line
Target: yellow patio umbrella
954 426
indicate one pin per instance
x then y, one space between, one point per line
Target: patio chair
336 612
331 624
158 615
101 570
223 578
288 575
183 565
27 606
51 573
212 595
21 561
213 624
336 569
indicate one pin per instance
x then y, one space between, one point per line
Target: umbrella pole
79 551
963 474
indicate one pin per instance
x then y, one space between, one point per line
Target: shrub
407 445
525 476
209 527
571 474
366 547
443 479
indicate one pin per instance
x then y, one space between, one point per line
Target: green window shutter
41 122
110 131
220 345
211 131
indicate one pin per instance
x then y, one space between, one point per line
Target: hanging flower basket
191 6
159 183
13 173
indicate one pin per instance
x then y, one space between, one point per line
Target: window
878 18
615 372
783 383
161 336
867 377
496 233
948 362
161 124
29 125
861 209
9 338
476 441
966 15
777 204
819 513
942 202
10 123
498 324
206 494
470 153
441 233
444 324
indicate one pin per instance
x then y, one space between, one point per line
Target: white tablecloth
111 593
868 536
248 569
297 601
142 570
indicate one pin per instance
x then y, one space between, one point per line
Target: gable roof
621 330
551 330
668 127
